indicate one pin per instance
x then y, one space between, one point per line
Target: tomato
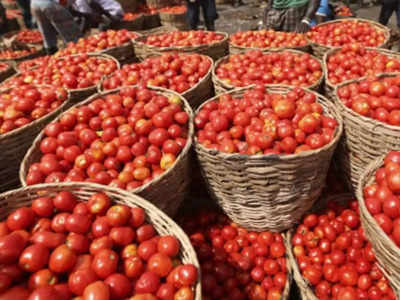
62 259
34 258
64 201
313 275
78 243
48 239
119 285
43 207
21 218
100 227
42 278
146 249
148 282
97 290
99 203
42 293
105 263
184 293
118 215
11 246
15 293
80 279
122 236
99 244
138 217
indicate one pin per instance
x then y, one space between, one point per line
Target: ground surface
247 16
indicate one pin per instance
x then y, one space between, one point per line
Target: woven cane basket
198 93
304 286
235 49
319 50
167 191
176 20
386 251
8 72
329 88
158 30
214 50
222 87
14 144
121 53
163 224
77 95
364 139
268 192
133 25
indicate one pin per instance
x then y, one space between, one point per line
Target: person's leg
387 9
46 29
63 22
24 6
193 14
210 13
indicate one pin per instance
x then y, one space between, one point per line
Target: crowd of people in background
70 19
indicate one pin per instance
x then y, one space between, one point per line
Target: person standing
97 13
52 19
25 6
387 9
209 13
290 15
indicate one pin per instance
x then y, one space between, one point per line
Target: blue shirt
323 10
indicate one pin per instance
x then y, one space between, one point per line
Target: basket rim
11 66
138 41
273 157
51 114
348 112
103 56
23 170
330 52
230 87
135 201
380 27
37 53
243 48
101 88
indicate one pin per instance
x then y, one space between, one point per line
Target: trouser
25 6
209 12
388 7
53 19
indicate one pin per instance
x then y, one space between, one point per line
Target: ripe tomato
105 263
80 279
62 259
97 290
34 258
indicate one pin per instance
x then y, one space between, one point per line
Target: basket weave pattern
268 192
164 225
363 140
386 251
167 191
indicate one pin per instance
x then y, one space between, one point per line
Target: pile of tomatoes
13 14
93 250
99 42
375 98
123 139
30 36
334 256
178 72
382 197
4 67
268 39
20 106
177 9
256 67
346 32
344 11
13 54
131 16
261 122
237 264
354 61
42 61
183 38
71 72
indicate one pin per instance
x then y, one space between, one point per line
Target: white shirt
110 6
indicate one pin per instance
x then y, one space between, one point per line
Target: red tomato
62 259
96 291
34 258
105 263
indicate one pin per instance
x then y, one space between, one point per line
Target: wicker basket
306 290
176 20
268 192
215 50
121 53
7 73
39 52
159 30
167 191
198 93
319 50
162 223
133 25
329 88
386 251
364 140
78 95
221 87
14 144
235 49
